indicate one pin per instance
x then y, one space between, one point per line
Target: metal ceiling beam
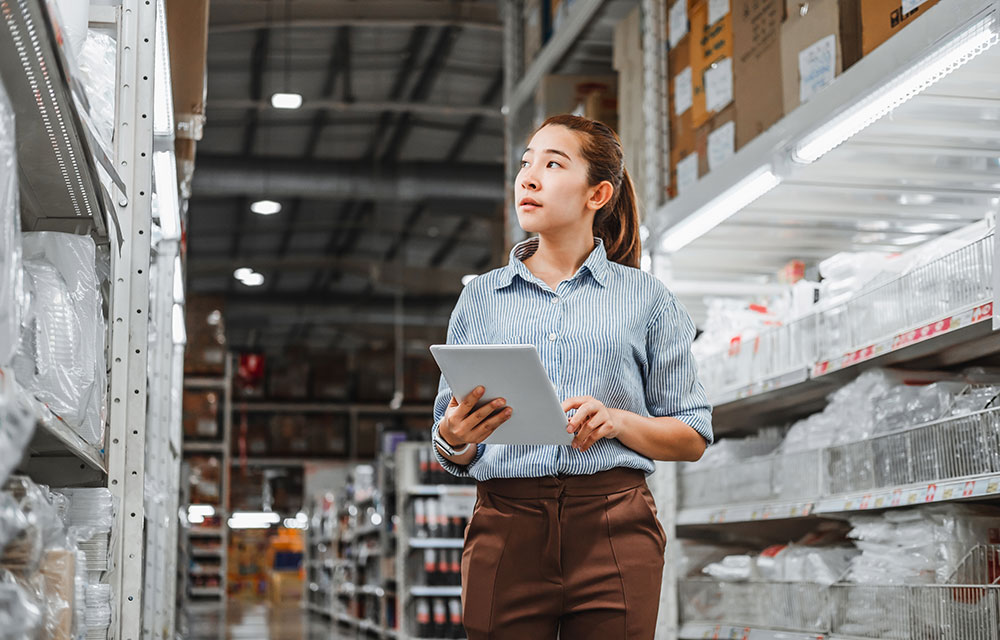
417 38
274 177
472 125
422 89
242 15
449 243
369 106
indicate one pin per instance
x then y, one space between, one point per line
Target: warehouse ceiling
390 175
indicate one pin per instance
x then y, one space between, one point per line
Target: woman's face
551 191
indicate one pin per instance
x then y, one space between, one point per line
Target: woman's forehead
555 137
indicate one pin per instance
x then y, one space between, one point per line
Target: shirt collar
596 263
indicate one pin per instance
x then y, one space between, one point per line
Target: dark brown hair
617 223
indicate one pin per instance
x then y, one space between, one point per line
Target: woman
564 540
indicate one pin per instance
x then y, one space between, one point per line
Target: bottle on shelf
456 567
440 609
420 518
433 518
431 567
425 627
424 457
455 618
444 568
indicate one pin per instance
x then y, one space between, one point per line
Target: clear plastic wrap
61 355
17 423
12 521
97 60
20 610
10 236
98 612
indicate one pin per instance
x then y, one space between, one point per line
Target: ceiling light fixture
249 277
286 101
266 207
719 209
920 75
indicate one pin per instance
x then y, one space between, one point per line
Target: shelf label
982 313
992 486
969 489
722 147
719 85
817 67
683 91
687 172
717 10
921 334
931 493
678 22
897 497
866 501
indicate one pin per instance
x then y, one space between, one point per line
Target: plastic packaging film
97 66
17 423
61 355
10 236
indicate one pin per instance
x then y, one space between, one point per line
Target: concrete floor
251 621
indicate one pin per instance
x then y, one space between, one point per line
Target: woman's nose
528 180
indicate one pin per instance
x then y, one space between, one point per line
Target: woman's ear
600 195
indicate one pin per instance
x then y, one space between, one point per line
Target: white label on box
717 10
687 172
817 67
719 85
721 145
683 91
678 21
910 5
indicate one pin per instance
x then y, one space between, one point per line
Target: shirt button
555 299
552 337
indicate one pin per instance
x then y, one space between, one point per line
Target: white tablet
513 372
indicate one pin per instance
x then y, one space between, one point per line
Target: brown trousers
580 557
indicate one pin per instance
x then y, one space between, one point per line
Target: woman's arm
658 438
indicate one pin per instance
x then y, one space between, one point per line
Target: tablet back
513 372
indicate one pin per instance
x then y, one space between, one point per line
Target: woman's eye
553 162
524 163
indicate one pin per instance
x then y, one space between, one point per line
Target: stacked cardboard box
200 414
866 25
743 66
594 97
206 332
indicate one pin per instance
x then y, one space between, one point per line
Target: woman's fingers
485 428
582 415
593 436
469 401
476 417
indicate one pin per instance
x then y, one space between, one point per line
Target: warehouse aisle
254 621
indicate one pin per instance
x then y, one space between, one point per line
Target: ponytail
617 223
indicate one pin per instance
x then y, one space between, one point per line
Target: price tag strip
712 631
909 495
780 381
969 316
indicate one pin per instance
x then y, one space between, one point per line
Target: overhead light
163 100
719 209
466 279
198 512
300 521
376 519
286 100
249 277
265 207
918 77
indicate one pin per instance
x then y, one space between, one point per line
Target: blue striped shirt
611 332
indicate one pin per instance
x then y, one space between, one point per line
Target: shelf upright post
227 471
128 312
654 103
513 62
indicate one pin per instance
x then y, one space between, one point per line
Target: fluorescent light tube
286 101
266 207
915 79
719 209
167 195
178 330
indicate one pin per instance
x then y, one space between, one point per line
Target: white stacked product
865 300
891 583
60 358
876 432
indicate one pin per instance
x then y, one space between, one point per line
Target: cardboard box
206 332
331 379
58 568
595 97
680 91
286 586
533 31
187 29
810 49
715 141
200 414
711 61
865 25
756 66
290 378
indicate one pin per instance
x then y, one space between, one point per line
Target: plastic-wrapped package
97 59
10 236
20 611
92 508
61 355
737 568
17 423
12 521
98 600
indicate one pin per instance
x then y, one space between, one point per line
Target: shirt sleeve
672 385
457 334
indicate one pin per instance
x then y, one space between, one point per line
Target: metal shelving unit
221 449
70 182
914 176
